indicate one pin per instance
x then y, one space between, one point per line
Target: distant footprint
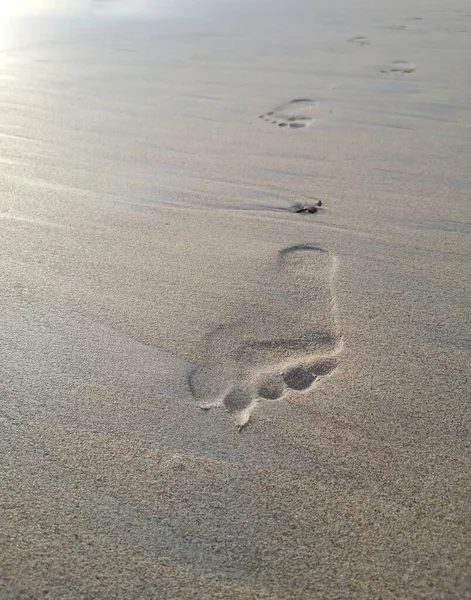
395 27
296 114
361 40
399 66
284 345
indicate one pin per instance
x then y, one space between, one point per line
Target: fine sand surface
203 393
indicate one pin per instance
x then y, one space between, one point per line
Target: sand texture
206 393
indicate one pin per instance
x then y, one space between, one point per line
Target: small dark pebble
301 207
298 100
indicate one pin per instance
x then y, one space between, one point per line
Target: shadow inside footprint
237 400
302 376
253 352
299 378
270 387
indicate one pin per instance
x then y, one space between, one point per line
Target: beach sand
204 393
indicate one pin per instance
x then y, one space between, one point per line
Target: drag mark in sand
255 361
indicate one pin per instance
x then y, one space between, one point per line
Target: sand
204 393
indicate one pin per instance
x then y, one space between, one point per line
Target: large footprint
287 342
297 113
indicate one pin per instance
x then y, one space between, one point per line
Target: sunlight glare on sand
16 17
23 8
26 21
38 8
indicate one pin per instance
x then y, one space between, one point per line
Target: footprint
283 345
399 66
296 114
360 39
396 27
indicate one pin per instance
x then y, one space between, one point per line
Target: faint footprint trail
282 346
296 114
